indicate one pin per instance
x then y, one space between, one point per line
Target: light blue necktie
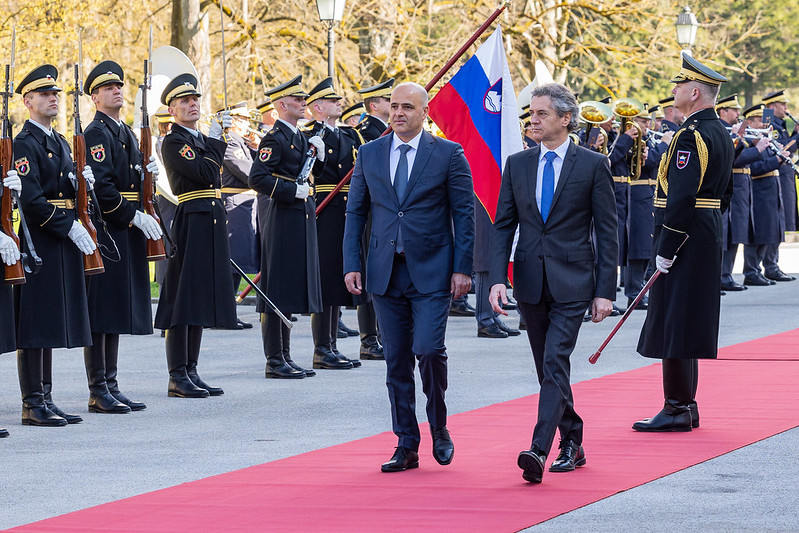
548 184
401 175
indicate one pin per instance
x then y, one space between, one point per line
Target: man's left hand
600 309
460 285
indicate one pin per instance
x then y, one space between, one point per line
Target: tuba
627 109
594 113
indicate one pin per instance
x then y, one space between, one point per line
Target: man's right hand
632 132
498 292
302 192
9 253
353 282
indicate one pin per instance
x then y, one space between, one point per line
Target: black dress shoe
280 369
197 380
643 305
133 404
507 329
240 324
107 404
372 352
354 362
349 331
461 310
532 464
71 419
617 311
309 372
733 287
3 433
180 386
325 359
403 459
664 421
757 280
571 456
510 306
522 325
779 275
443 448
492 331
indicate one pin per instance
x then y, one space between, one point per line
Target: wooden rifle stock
14 274
92 264
155 249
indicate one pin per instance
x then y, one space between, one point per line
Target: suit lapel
384 154
532 180
422 155
565 172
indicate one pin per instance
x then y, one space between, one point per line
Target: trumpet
627 109
594 113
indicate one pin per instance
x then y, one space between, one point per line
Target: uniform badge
775 134
98 153
264 154
22 166
682 159
187 152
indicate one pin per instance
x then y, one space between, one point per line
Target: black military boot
285 336
694 383
100 400
111 358
354 362
272 335
371 348
47 387
676 412
177 355
34 410
195 339
323 355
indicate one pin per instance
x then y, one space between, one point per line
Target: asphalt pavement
51 471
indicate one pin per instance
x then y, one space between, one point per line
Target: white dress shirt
557 163
394 155
48 131
291 127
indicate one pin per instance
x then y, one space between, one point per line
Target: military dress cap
728 102
104 73
693 70
293 87
353 110
380 90
163 116
656 111
646 113
754 111
237 109
265 106
323 90
776 96
525 115
40 79
180 86
606 100
666 102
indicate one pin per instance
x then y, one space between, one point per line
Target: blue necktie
548 184
401 174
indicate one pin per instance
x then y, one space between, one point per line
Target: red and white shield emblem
264 154
187 152
98 153
22 166
682 159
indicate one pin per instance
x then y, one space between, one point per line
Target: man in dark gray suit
555 192
418 189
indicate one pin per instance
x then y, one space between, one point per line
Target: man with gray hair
555 192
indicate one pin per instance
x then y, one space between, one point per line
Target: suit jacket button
400 214
391 243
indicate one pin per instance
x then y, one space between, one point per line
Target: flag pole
432 83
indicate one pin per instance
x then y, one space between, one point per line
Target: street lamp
686 30
330 11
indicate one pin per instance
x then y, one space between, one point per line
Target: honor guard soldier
238 198
289 255
352 115
672 117
737 221
657 117
268 115
51 307
778 101
193 163
694 188
377 101
527 128
119 300
9 255
769 225
341 149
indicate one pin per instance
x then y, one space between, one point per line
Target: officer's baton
263 296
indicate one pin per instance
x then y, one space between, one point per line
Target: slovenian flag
477 109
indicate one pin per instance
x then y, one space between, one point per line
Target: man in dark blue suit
555 193
418 189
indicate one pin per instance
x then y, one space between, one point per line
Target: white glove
147 225
320 146
88 175
13 182
216 130
81 238
9 252
664 264
302 191
152 168
72 180
227 120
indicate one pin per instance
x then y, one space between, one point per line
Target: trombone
627 109
595 113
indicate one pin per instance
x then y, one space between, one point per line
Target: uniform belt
284 177
237 190
644 182
329 188
621 179
741 171
130 196
194 195
767 174
701 203
63 204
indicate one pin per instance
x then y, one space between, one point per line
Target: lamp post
330 11
686 30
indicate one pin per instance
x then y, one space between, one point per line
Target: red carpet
780 347
341 489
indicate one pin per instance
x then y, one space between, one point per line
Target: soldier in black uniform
56 296
341 148
196 289
352 115
289 255
778 101
119 299
238 198
377 101
694 188
9 255
672 117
